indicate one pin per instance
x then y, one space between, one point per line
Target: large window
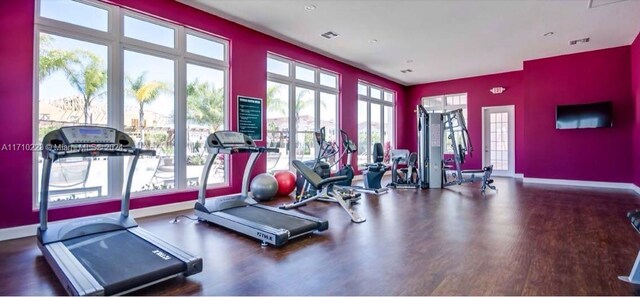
443 103
163 84
375 120
301 99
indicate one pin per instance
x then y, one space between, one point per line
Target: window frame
383 104
117 44
295 83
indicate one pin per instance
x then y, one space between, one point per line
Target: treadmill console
84 140
82 135
230 139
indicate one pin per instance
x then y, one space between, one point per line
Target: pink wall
635 91
247 75
541 150
581 154
477 89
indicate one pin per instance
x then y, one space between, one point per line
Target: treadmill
109 254
240 212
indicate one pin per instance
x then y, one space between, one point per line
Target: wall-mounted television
592 115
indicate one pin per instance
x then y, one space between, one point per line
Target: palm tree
52 60
205 104
144 92
89 77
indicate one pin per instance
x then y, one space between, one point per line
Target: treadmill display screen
86 131
230 137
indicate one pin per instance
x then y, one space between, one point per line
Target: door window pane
148 118
149 32
278 125
277 67
305 124
363 123
205 47
72 91
499 140
205 115
76 13
328 80
305 74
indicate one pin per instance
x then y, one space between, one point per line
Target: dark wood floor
524 240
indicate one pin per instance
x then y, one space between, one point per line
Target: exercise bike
372 176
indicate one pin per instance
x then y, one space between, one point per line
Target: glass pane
149 32
388 96
277 67
148 117
328 80
73 91
363 123
205 115
463 99
305 74
205 47
278 125
362 89
375 93
76 13
388 132
305 124
499 140
376 125
433 102
328 115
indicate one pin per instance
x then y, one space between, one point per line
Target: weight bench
325 190
634 276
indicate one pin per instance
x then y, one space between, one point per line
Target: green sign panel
250 116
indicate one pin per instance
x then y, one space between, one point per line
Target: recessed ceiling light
548 33
373 40
409 61
406 71
310 7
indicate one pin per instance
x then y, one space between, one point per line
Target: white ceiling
446 39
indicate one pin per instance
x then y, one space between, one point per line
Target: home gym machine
240 212
409 178
104 255
634 276
433 171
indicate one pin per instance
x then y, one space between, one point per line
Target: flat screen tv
592 115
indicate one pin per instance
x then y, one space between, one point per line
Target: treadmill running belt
120 260
295 225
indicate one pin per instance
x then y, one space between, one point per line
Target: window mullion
115 101
180 113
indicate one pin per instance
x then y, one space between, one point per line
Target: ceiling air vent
583 40
329 35
406 71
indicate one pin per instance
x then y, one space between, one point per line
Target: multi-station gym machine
433 169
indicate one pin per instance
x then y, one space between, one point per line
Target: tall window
163 84
443 103
375 120
301 99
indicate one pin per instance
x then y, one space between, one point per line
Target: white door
498 139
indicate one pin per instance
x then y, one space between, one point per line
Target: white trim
519 175
30 230
582 183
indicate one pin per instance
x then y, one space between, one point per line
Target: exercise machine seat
313 178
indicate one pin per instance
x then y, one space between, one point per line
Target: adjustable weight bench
325 190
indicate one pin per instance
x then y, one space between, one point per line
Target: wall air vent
329 35
583 40
406 71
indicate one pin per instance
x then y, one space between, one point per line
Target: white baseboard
519 176
30 230
582 183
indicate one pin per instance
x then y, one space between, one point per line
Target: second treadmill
240 212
